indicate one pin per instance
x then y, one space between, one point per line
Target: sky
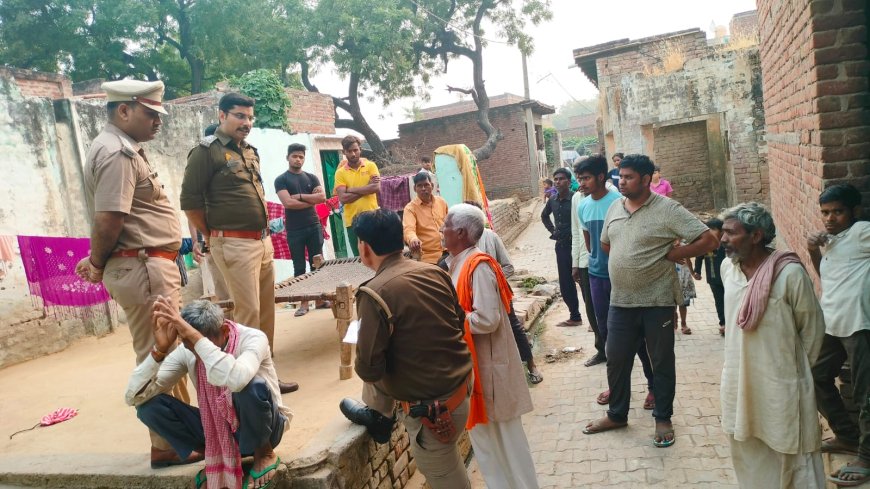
575 24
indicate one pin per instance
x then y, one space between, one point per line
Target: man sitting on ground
240 410
410 349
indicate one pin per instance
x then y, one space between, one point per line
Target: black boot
379 426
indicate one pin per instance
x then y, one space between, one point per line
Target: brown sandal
595 427
649 402
603 398
686 330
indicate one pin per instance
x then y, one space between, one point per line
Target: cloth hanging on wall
395 193
49 264
279 240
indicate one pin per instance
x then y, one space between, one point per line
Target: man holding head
501 395
299 191
638 235
240 411
222 195
135 234
411 350
423 218
357 183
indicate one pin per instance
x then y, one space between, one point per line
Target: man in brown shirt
410 349
222 195
135 233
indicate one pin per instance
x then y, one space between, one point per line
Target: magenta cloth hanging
50 266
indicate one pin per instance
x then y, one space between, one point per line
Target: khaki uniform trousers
248 269
134 285
439 462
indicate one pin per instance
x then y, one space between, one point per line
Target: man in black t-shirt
299 192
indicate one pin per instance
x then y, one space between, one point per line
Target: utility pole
534 166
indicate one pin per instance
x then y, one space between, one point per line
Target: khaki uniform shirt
119 178
224 179
425 357
640 275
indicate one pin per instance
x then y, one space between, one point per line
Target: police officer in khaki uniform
222 195
135 233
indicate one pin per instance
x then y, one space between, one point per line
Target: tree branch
304 74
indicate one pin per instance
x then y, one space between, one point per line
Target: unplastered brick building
814 60
694 106
514 167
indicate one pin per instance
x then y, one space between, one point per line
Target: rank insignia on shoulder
206 141
127 149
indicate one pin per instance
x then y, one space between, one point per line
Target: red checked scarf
223 462
755 301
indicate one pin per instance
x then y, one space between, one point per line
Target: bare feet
601 425
266 464
664 434
853 473
836 445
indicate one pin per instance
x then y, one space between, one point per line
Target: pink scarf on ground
223 462
755 300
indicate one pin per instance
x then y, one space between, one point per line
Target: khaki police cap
149 94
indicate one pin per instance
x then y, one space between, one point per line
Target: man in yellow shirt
357 182
422 220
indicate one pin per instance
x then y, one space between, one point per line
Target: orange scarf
477 409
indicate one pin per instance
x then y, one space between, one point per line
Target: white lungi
503 454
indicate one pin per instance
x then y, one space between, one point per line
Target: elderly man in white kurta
500 444
774 332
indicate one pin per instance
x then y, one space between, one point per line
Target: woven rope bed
321 283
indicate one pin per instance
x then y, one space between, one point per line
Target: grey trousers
260 421
439 462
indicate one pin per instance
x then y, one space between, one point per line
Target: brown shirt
119 178
224 179
425 358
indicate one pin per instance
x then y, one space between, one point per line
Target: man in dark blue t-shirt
299 191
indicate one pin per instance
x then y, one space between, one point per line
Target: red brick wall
311 112
681 152
814 68
468 106
505 173
36 84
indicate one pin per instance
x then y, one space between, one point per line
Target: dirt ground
92 375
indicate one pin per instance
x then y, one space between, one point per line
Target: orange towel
477 409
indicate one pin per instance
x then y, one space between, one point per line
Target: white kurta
767 384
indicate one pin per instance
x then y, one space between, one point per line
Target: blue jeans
260 421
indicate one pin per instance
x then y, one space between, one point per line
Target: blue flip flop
254 475
664 443
200 479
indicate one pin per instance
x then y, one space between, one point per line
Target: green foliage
579 144
549 146
266 88
529 283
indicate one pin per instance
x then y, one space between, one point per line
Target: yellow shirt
348 177
423 221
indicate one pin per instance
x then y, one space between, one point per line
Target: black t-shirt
294 184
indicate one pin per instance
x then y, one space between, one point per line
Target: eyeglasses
242 117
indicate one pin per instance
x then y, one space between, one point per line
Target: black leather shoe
598 358
287 387
379 426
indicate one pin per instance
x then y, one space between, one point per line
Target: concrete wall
815 76
44 144
505 173
720 88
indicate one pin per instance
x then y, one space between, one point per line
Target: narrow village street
565 401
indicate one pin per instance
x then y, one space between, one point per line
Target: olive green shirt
424 357
224 179
640 275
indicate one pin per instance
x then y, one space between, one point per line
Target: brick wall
681 152
743 24
468 106
311 112
505 173
35 84
815 68
693 45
